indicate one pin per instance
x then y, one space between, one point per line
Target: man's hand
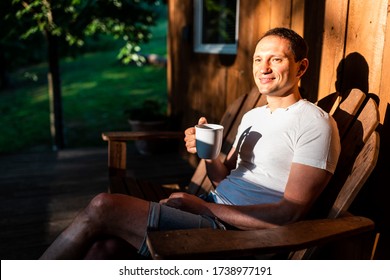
190 136
186 202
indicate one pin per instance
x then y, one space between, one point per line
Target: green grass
96 90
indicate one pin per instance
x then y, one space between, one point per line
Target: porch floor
41 193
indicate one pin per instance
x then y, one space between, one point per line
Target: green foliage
15 51
96 89
72 21
96 92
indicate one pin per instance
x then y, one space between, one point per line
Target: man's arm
304 185
216 170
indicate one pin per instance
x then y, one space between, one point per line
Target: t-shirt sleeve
319 144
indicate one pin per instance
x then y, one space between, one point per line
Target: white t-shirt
269 142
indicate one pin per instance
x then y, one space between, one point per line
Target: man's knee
100 205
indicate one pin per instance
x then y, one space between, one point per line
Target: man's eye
276 60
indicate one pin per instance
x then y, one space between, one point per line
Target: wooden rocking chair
357 118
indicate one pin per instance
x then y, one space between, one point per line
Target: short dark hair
297 43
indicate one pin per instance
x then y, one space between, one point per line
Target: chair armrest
214 244
123 136
117 146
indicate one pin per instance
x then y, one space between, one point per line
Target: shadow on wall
352 72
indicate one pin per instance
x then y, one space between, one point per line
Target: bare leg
106 215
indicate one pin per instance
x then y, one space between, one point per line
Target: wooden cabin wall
349 46
204 84
347 49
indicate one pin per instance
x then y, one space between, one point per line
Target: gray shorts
162 217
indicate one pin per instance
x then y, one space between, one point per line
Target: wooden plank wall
349 42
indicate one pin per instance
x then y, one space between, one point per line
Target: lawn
96 90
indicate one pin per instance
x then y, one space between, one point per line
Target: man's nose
264 68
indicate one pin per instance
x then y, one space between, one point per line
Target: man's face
274 69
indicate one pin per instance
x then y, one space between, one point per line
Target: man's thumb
202 120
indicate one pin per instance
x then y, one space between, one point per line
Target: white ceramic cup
208 140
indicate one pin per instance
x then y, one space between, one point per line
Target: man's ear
303 65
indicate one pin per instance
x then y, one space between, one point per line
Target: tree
71 21
11 46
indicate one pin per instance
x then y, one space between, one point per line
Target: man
283 157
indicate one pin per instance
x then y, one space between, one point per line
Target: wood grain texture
241 243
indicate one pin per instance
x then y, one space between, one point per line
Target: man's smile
266 80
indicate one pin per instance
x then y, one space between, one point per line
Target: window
216 26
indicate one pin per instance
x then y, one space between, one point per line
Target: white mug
208 140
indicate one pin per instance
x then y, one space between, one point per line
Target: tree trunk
54 83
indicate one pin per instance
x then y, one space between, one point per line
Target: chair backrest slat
354 126
361 170
347 110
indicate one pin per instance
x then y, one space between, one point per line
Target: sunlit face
274 69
